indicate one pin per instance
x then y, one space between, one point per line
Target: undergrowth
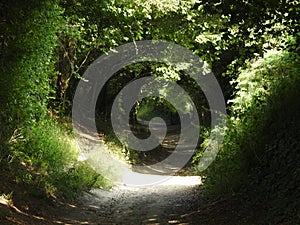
260 151
43 158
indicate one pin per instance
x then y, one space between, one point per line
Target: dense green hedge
260 152
27 61
34 148
26 64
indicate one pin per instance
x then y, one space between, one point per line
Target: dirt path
172 202
178 200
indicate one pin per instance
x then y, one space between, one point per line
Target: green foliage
81 177
249 27
278 173
44 147
223 33
39 152
45 156
153 108
260 151
27 62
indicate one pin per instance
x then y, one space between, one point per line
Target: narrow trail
179 200
175 201
172 200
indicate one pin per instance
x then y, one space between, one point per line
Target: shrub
37 150
264 106
45 157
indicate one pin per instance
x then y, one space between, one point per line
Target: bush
81 177
45 157
40 153
260 151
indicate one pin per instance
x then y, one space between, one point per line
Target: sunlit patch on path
170 201
135 179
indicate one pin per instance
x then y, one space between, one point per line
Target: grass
43 157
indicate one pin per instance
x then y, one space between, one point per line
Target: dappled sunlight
5 200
